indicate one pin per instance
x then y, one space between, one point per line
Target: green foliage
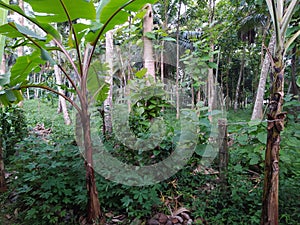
49 183
134 201
238 203
249 143
13 128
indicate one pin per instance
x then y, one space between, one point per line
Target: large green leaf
111 13
54 10
46 27
24 66
96 84
8 97
14 30
109 8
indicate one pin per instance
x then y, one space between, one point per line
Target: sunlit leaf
141 73
47 11
46 27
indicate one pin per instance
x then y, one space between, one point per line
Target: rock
153 222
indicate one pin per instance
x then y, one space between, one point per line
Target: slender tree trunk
258 106
275 126
148 48
227 83
109 79
62 101
237 91
93 205
94 214
177 62
164 27
294 90
211 89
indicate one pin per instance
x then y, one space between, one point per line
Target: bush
13 128
49 182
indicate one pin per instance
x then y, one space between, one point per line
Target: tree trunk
107 123
237 91
177 62
62 101
275 126
258 106
211 88
148 48
93 206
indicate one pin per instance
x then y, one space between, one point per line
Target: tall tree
238 85
109 58
281 13
148 47
257 112
211 85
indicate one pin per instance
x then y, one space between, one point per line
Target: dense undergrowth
46 176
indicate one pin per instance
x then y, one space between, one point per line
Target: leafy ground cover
46 178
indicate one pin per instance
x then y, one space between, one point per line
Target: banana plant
87 25
281 12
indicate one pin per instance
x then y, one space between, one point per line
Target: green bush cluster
48 177
49 181
13 128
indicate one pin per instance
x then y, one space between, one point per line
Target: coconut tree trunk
177 62
258 106
211 88
107 125
148 48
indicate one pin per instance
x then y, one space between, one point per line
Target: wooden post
223 149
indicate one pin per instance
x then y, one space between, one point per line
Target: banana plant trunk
94 214
275 126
